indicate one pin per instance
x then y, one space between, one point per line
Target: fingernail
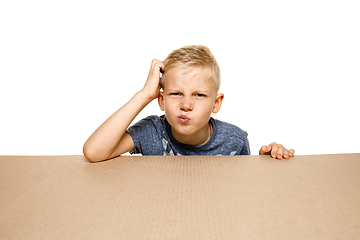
273 155
268 148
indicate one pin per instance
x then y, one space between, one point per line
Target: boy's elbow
93 155
87 154
90 154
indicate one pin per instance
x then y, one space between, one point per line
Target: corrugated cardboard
193 197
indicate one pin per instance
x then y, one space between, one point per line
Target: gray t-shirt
152 136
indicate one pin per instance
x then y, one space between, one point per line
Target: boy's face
188 100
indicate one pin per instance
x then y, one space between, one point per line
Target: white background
290 69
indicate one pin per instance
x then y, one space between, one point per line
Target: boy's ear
161 101
218 101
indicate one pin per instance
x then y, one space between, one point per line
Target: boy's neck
198 139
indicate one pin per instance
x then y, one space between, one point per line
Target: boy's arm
276 151
110 139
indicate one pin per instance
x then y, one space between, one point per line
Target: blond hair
194 56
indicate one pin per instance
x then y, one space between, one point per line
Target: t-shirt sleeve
145 136
246 147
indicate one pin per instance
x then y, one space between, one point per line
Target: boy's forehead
185 75
183 72
177 74
183 69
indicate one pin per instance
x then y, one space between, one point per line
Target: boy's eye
200 95
175 94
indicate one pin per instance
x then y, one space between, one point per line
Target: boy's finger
267 149
162 70
264 150
280 152
274 150
286 154
277 151
291 152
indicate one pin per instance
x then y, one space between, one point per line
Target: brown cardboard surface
192 197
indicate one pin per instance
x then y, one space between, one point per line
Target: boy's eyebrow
196 90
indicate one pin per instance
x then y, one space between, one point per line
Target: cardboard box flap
190 197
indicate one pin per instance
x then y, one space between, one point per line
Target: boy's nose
186 104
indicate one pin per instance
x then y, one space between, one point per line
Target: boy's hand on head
276 151
152 85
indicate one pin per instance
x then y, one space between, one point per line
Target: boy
190 80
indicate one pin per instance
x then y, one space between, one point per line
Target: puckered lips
184 119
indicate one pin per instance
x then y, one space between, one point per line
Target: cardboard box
190 197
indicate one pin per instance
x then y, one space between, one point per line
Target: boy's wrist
143 96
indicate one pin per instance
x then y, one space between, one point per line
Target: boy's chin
182 130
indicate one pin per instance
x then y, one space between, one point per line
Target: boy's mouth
184 119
